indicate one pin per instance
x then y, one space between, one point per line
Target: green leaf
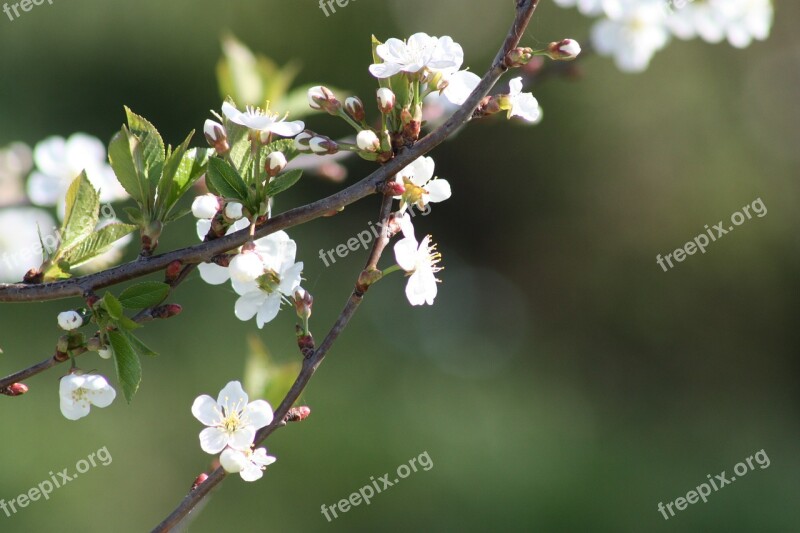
127 324
239 140
121 152
126 361
283 182
134 215
144 295
81 213
180 213
113 306
166 197
226 181
238 73
140 347
193 165
97 243
152 145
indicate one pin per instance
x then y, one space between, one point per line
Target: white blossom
419 52
262 121
634 37
421 188
233 210
522 105
20 249
419 259
212 273
78 392
205 206
59 161
249 464
232 419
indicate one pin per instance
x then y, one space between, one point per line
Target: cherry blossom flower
262 297
212 273
634 37
78 392
232 419
419 259
249 464
59 161
263 121
421 188
521 104
419 52
205 206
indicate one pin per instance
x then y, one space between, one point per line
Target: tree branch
525 9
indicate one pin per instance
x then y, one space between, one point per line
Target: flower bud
305 341
69 320
199 480
518 57
301 142
94 344
297 414
322 98
233 210
105 353
564 50
15 389
166 311
386 100
321 144
172 271
205 206
303 302
246 267
216 136
368 141
355 108
275 164
232 461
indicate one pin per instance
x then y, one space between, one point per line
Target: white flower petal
258 414
248 305
405 253
269 309
206 410
438 190
213 440
242 438
233 461
232 398
213 274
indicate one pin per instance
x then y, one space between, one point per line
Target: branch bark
524 12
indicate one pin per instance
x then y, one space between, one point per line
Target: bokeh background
562 381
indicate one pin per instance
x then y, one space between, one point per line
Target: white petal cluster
421 188
59 161
419 53
20 249
632 31
262 121
232 419
78 392
69 320
419 260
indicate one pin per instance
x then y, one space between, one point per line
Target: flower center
413 193
269 281
80 395
434 257
232 419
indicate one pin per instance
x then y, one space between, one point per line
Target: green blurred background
562 381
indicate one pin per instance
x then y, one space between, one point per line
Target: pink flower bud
355 108
386 100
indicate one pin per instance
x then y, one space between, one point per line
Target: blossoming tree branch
253 156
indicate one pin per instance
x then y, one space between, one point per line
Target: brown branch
525 9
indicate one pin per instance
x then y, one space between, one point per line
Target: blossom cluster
632 31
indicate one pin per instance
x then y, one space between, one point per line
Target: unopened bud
488 106
69 320
321 144
564 50
233 211
519 57
303 302
355 108
105 353
368 141
394 188
367 278
18 389
301 142
205 206
94 344
322 98
166 311
305 341
386 100
275 164
172 271
216 136
199 480
297 414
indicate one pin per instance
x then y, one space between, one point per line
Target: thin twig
525 9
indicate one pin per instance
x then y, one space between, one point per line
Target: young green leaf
144 295
81 213
283 145
193 164
283 182
126 361
226 181
152 145
113 306
140 347
96 243
121 152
